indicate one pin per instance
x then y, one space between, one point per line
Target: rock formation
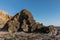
20 21
4 17
24 21
53 30
27 16
37 25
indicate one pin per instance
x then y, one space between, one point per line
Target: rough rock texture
28 28
24 21
37 25
53 30
20 20
27 36
4 17
27 16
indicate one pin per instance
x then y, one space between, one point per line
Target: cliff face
4 17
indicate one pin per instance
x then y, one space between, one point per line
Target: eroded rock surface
23 22
17 22
27 36
4 17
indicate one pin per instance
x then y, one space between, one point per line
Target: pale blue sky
43 11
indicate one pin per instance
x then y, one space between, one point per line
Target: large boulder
27 16
4 17
37 25
53 30
22 21
40 28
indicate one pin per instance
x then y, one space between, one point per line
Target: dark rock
37 25
26 15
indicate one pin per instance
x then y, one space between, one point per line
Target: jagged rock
27 16
40 28
53 30
4 17
19 22
24 21
37 25
25 26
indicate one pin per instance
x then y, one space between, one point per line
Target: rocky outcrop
22 21
37 25
4 17
27 16
53 30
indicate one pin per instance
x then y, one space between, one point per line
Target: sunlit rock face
4 17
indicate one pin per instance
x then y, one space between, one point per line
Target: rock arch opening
25 17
